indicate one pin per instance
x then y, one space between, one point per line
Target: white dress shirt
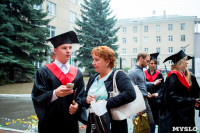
65 69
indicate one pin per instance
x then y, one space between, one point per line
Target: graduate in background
55 104
154 91
177 108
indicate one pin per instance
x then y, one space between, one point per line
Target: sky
144 8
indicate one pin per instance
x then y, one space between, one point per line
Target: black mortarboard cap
154 56
176 57
189 57
68 37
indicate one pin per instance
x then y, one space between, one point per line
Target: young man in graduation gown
154 91
177 111
57 106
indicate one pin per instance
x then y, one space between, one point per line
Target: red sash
64 78
151 78
181 78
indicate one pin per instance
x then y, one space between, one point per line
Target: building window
158 38
158 50
182 38
146 50
182 26
135 29
170 61
170 38
134 51
73 1
145 28
123 62
123 51
72 17
170 49
158 61
133 62
37 7
183 49
52 31
72 62
146 39
37 64
170 27
51 8
124 40
157 27
135 39
124 29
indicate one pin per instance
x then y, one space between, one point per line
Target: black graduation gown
54 116
195 89
177 104
154 102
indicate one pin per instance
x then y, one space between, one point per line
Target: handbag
141 124
83 116
99 118
129 109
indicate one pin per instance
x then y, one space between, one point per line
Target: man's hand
157 82
62 91
73 107
149 95
90 98
155 95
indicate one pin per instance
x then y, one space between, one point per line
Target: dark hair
154 61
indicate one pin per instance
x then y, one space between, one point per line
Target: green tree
23 31
95 28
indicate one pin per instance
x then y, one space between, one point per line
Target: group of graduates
174 101
59 108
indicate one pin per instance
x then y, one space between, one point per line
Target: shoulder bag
129 109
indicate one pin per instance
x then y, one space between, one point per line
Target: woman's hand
90 98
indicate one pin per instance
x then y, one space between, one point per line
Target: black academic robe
54 116
154 102
195 89
177 105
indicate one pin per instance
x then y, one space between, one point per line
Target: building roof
155 18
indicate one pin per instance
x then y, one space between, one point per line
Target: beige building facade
164 34
63 14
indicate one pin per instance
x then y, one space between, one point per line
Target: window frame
51 8
170 26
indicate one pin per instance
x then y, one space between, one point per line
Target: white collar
59 64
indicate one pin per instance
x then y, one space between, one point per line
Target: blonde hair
106 53
178 64
188 76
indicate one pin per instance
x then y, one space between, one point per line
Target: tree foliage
22 39
95 28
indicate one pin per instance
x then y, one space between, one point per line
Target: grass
22 88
